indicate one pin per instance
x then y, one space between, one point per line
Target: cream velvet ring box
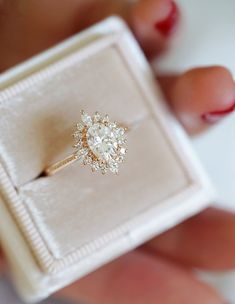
56 229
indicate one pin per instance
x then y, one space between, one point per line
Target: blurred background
206 38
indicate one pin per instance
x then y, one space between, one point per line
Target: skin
161 270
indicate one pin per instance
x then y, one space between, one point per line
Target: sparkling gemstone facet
101 141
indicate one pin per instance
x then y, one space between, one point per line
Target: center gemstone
101 141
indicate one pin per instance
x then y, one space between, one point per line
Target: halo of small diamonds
100 143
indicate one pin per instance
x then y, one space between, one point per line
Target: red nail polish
213 117
167 26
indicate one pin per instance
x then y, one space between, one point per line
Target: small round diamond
123 151
82 152
80 127
106 119
87 160
113 125
97 117
95 166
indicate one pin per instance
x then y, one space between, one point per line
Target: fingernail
213 117
167 25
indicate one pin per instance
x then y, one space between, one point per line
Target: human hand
161 271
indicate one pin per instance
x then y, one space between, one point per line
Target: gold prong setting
100 143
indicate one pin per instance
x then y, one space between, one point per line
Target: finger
140 278
153 22
205 241
201 96
36 25
28 27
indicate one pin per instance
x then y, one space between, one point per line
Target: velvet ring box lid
62 227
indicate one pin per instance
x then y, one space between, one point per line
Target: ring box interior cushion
62 227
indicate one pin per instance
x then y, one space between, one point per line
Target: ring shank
52 169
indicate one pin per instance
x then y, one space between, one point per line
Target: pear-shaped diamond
101 141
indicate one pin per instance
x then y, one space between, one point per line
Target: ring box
54 230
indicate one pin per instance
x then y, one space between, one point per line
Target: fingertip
203 96
167 25
153 22
139 277
205 241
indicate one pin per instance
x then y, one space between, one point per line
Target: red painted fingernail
167 26
213 117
